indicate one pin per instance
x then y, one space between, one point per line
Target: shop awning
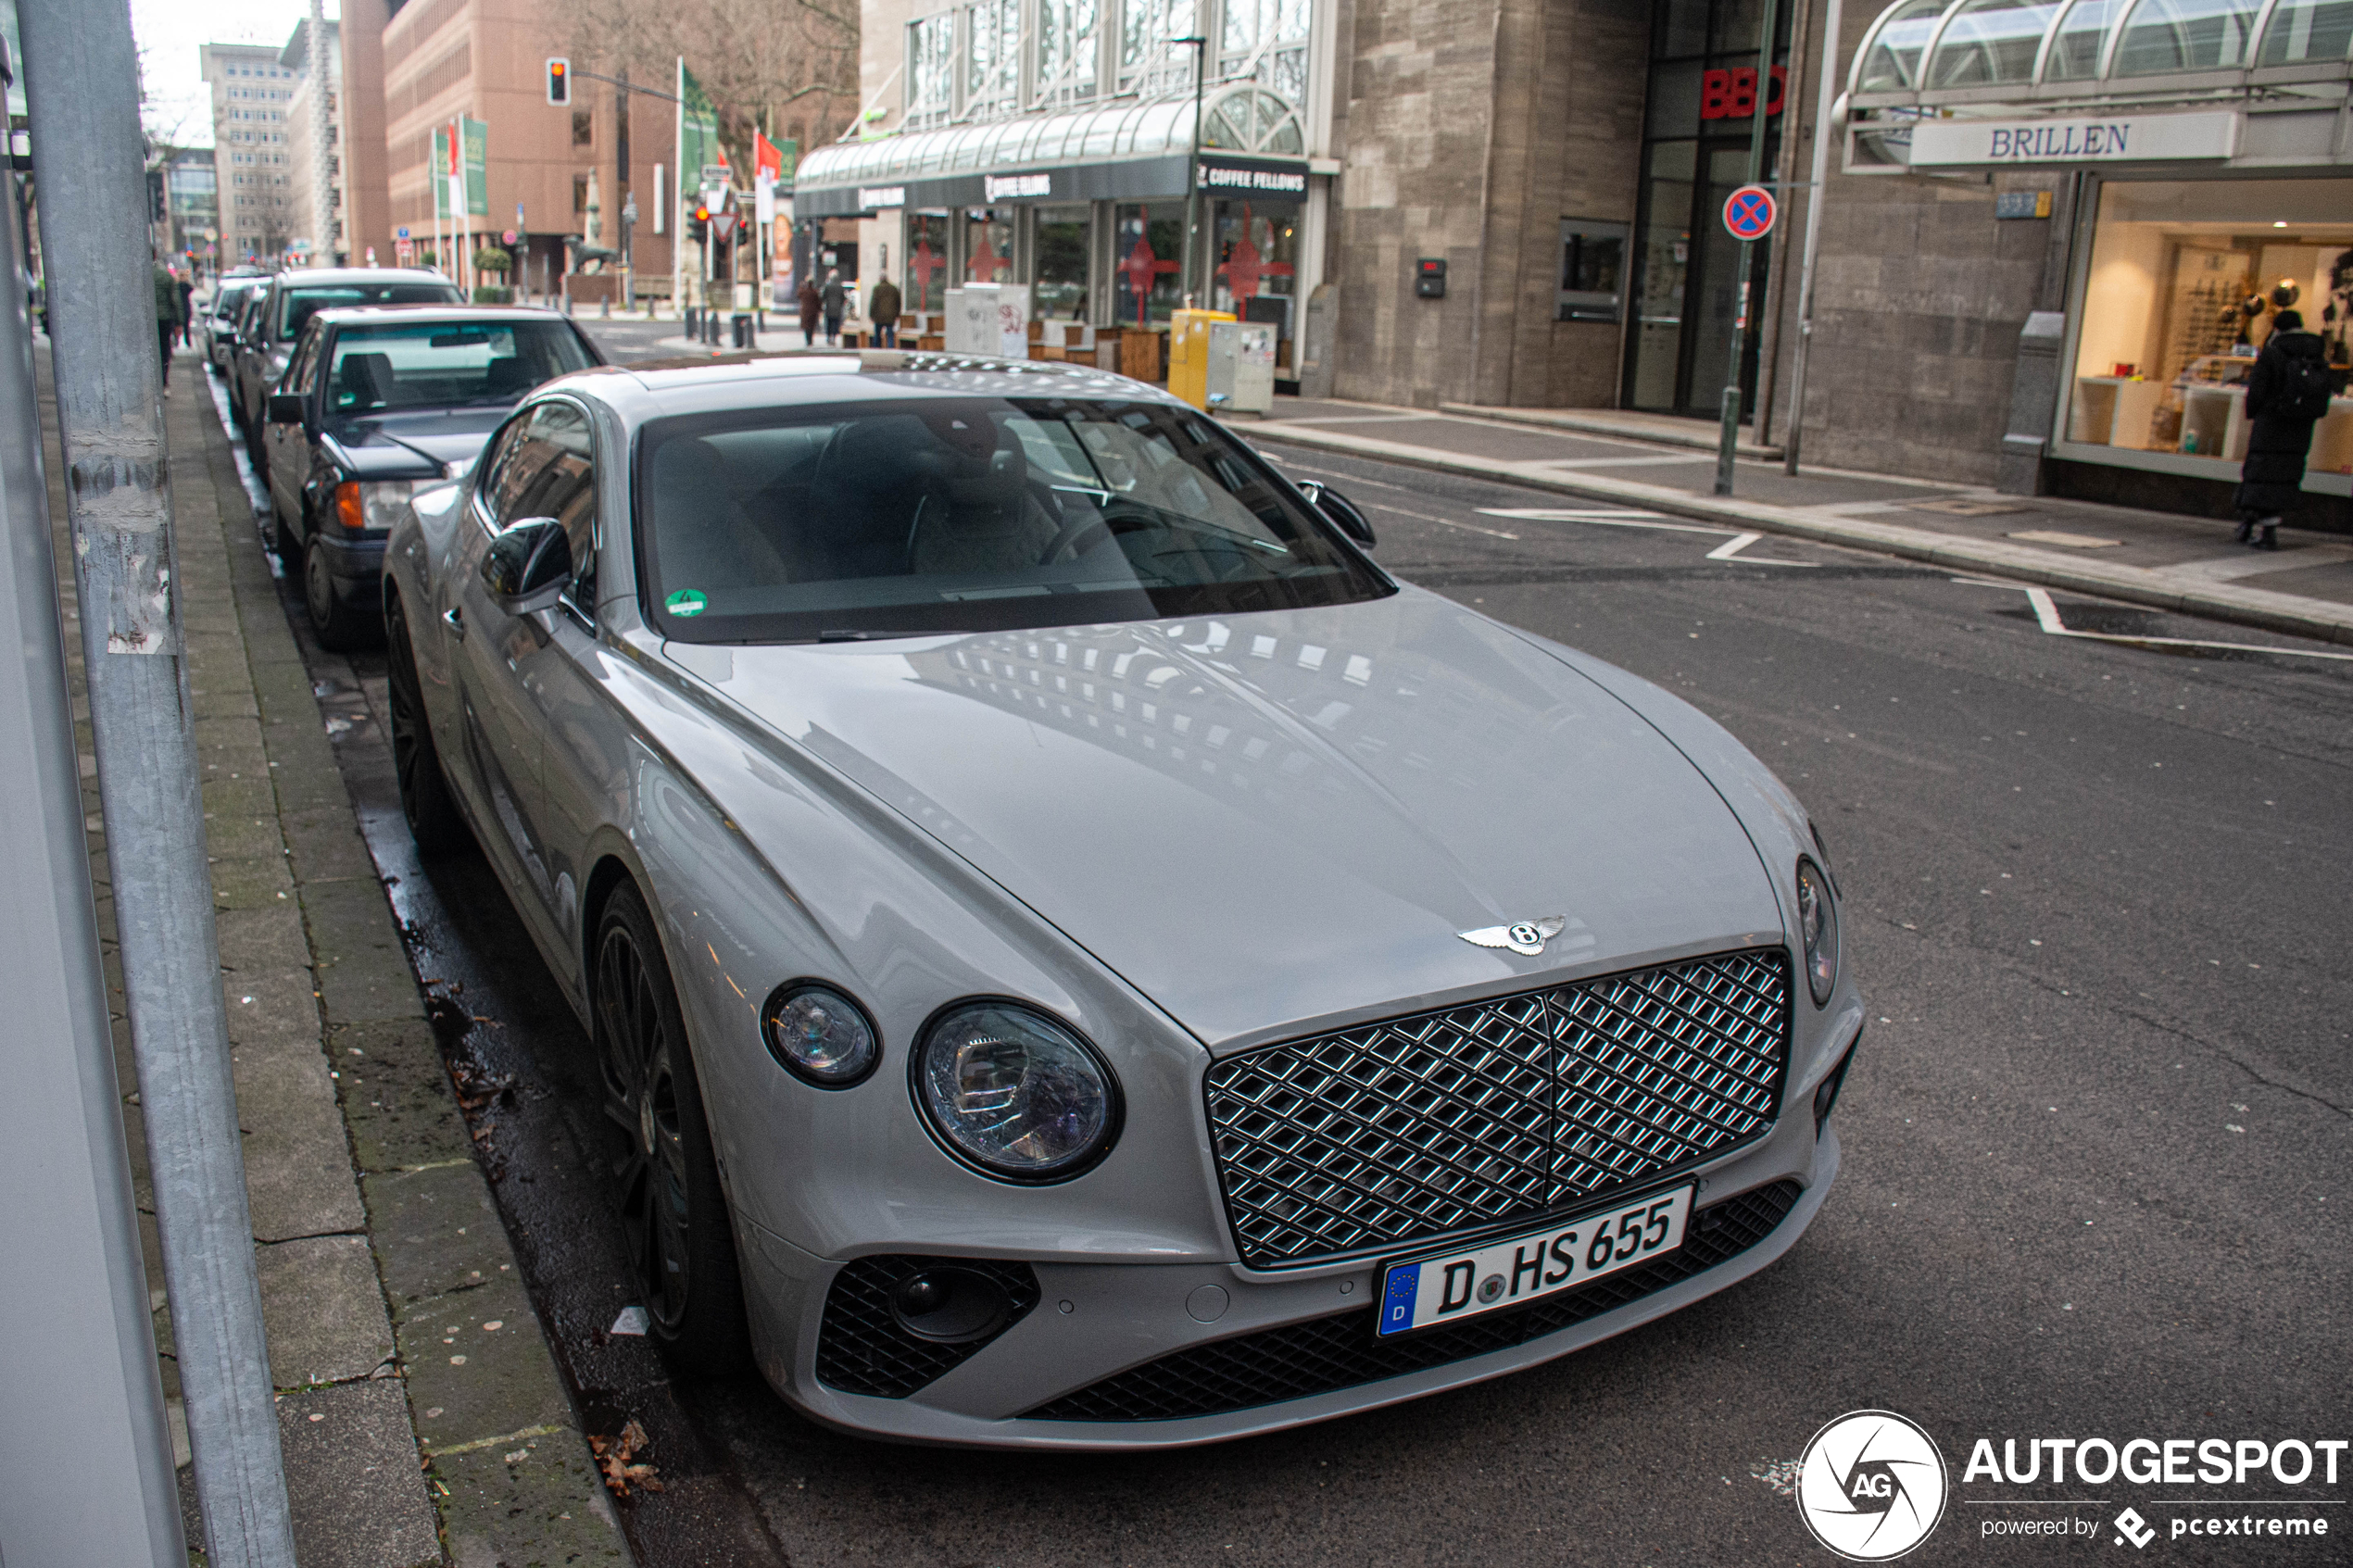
1950 52
2238 84
1130 148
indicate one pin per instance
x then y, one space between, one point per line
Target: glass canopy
1933 47
1239 117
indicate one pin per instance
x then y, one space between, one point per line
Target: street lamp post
1200 46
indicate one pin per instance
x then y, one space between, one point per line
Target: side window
302 375
565 488
545 467
501 468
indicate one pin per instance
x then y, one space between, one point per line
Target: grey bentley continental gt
1079 957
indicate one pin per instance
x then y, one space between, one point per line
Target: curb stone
2270 611
418 1408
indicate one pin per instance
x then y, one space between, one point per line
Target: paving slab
363 969
396 1095
437 1232
323 1310
359 1497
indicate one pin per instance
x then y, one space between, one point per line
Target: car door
583 745
494 655
287 442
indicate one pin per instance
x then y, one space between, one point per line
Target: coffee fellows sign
2121 138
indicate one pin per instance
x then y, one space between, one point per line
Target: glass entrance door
1704 100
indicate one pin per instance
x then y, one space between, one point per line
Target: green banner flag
475 135
439 172
697 132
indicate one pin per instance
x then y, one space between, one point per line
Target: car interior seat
364 381
701 538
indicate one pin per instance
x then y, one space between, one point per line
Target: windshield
230 299
415 364
973 515
298 305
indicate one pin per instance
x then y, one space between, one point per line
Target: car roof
451 311
754 380
305 277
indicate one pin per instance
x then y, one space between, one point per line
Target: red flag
767 161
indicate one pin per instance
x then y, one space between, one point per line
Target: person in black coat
2286 396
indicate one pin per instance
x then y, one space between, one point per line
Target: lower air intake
1322 1354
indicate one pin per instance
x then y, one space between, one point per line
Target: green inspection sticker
686 601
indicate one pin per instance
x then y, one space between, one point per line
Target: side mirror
527 565
1339 509
285 409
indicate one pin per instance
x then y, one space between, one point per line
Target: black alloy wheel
432 816
340 627
674 1209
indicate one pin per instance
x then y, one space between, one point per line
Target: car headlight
819 1035
1013 1093
373 506
1817 930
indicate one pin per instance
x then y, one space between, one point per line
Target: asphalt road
2097 892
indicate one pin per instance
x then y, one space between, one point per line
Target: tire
425 801
338 626
674 1209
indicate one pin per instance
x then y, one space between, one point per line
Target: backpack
2305 387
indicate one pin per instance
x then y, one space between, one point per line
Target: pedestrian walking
2288 393
882 308
168 315
812 303
837 301
187 315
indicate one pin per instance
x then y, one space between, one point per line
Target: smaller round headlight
1015 1093
1817 930
820 1035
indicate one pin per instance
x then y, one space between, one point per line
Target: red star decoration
1140 266
923 263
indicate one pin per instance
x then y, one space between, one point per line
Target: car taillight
348 509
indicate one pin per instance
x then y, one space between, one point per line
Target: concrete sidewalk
2154 558
420 1413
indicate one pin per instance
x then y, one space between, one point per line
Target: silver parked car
1079 957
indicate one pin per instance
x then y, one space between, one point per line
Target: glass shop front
2185 279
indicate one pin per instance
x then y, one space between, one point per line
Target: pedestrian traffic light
699 223
558 80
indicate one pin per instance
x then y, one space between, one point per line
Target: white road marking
1730 550
1442 522
1605 520
2047 615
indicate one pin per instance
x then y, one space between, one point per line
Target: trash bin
1189 353
741 323
1242 368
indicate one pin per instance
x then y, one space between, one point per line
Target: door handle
455 619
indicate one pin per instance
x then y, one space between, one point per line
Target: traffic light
699 223
558 80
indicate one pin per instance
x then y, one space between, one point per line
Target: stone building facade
1519 203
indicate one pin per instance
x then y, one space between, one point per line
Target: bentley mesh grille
1449 1121
1322 1354
861 1347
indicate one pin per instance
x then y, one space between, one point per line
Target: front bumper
355 567
1093 1323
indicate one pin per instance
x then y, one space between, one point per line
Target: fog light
950 1306
820 1035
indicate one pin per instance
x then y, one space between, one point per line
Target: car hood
414 443
1271 821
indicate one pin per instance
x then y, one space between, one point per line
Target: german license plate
1448 1287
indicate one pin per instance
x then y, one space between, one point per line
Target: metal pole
1826 99
1730 436
625 203
83 77
1192 173
87 1384
322 220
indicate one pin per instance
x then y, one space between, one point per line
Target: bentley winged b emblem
1526 938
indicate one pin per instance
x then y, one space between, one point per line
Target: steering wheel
1110 523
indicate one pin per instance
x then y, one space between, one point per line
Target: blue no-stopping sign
1749 212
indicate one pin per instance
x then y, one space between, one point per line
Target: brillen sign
2119 138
